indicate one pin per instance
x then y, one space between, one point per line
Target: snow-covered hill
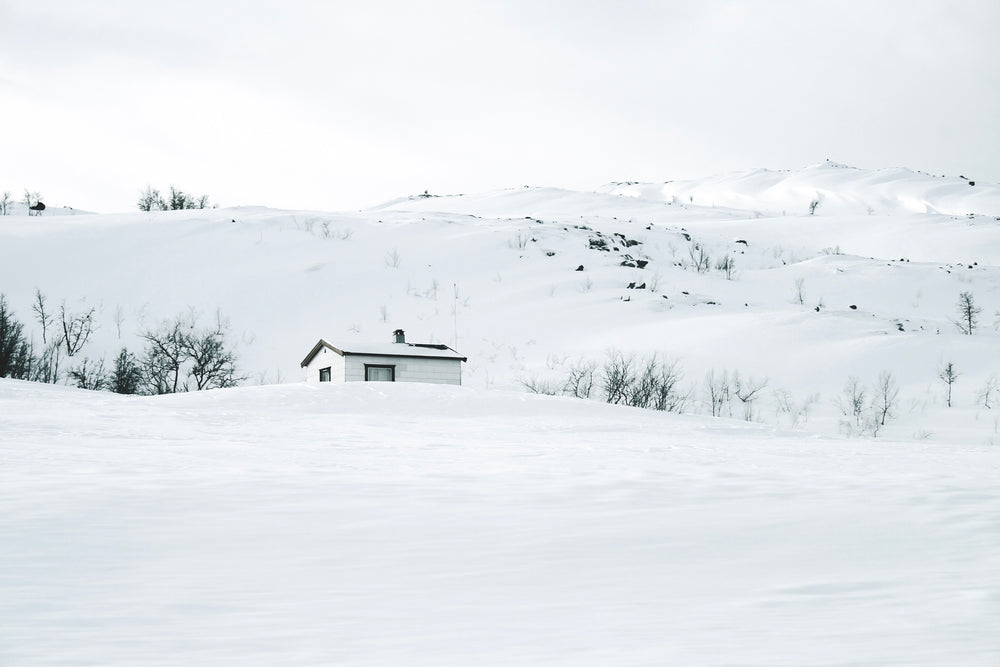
811 299
835 188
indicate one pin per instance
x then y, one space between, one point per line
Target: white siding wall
408 369
326 357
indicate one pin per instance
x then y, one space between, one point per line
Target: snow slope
814 299
415 524
837 188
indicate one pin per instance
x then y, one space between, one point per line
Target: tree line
150 199
178 354
176 200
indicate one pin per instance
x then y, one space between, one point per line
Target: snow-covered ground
296 524
415 524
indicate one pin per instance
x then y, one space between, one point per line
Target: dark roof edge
409 356
316 348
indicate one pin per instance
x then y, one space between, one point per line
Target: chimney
398 336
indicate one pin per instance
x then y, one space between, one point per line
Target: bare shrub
700 261
89 375
46 366
536 385
727 265
747 390
32 202
618 377
798 413
800 291
717 393
853 400
580 380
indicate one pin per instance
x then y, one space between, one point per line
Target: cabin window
375 373
324 374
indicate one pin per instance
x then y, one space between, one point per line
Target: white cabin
397 361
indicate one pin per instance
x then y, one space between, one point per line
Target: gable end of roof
316 348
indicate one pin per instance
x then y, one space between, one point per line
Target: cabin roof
421 350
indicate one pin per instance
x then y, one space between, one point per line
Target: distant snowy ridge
836 187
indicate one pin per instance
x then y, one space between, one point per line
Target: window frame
329 374
391 367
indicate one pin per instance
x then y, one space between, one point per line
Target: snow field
357 524
407 524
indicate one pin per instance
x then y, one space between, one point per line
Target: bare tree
119 319
988 391
727 265
151 200
949 375
15 351
180 200
872 425
800 291
41 314
717 391
46 366
668 395
747 390
618 377
164 356
178 356
968 313
798 413
213 361
886 398
31 201
853 400
6 199
77 328
643 389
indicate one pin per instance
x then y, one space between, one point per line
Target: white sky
341 105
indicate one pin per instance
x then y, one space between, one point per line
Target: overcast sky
340 105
